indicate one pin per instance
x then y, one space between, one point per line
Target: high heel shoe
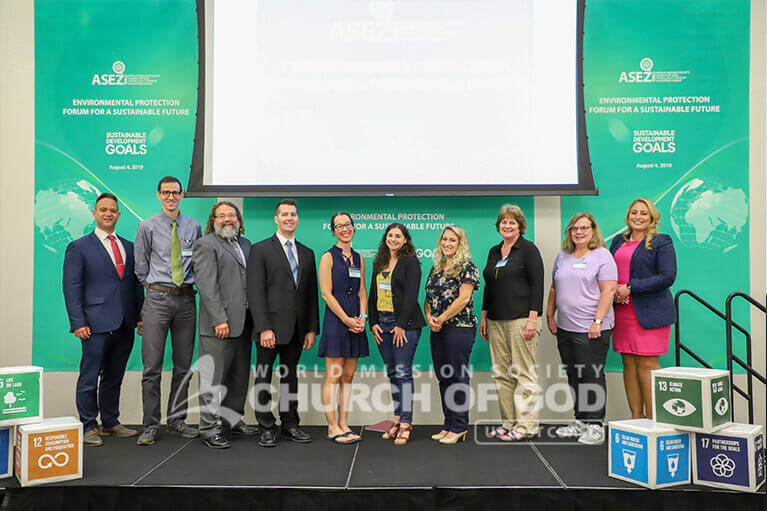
440 435
460 437
392 432
403 437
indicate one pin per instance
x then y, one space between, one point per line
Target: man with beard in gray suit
219 260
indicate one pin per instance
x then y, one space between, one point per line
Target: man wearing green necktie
163 252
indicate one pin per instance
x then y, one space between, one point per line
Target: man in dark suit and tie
103 299
219 261
282 296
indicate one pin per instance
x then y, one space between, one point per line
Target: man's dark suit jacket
276 302
652 272
94 294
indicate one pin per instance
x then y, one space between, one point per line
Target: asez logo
118 78
679 407
644 76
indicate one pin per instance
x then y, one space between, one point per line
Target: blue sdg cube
6 452
731 458
649 455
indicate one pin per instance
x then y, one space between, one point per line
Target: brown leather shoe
119 431
92 438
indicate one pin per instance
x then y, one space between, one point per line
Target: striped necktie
292 261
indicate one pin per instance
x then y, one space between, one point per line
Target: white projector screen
385 96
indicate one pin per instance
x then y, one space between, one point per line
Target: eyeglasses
347 225
222 216
575 228
168 193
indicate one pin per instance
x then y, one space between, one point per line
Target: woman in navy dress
343 340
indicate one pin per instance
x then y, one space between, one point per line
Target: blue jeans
399 365
450 352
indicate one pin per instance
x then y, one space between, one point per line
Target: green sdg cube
21 395
692 399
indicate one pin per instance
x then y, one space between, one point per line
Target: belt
187 290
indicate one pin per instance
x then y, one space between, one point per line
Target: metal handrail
752 373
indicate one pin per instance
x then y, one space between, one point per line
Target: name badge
354 273
579 265
384 285
186 252
501 263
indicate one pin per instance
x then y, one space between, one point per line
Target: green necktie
175 255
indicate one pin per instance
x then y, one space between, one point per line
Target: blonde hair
596 239
515 212
652 229
461 257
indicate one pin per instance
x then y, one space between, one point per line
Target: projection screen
384 97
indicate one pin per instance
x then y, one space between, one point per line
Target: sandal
404 434
498 432
392 431
343 438
515 436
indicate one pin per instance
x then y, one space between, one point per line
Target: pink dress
628 334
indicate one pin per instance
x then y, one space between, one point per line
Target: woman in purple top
584 283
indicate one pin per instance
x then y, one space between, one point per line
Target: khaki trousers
515 373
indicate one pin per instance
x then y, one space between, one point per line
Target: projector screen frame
198 188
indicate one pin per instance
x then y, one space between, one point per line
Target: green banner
115 105
424 217
666 97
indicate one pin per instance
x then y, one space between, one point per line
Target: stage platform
537 474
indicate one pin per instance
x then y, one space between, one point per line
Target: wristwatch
597 321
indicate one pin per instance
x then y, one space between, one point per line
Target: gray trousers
162 312
224 366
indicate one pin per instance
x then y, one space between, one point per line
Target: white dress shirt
284 240
102 236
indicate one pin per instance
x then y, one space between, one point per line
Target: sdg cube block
6 451
644 453
731 458
49 451
691 399
21 395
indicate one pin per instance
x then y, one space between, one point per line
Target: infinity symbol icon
53 460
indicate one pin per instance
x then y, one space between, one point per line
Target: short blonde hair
596 239
652 229
462 253
512 211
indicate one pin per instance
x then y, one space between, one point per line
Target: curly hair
652 229
596 239
460 258
210 226
383 255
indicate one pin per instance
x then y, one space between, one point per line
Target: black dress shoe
268 438
242 429
296 435
216 441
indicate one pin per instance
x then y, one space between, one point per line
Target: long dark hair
383 255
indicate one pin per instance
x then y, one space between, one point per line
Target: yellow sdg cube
49 451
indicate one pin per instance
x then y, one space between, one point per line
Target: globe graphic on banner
709 214
63 212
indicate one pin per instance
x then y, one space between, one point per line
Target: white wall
16 235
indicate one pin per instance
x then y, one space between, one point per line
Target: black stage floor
535 474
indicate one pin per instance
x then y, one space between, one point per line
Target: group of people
266 294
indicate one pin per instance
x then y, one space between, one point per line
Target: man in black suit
282 297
